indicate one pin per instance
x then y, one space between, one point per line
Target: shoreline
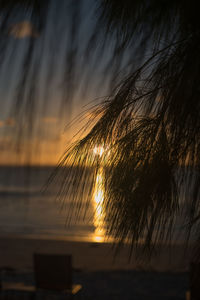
16 251
72 238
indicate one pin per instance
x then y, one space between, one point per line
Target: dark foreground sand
102 277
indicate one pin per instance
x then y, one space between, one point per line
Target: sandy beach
17 251
164 277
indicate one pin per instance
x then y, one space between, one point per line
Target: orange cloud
9 122
22 30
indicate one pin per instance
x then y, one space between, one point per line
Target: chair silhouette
54 272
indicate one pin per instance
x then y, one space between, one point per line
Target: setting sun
98 150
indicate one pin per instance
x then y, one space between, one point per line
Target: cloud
9 122
23 30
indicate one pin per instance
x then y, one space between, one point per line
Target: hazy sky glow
49 136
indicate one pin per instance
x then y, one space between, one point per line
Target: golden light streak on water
98 207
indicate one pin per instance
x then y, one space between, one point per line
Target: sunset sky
50 134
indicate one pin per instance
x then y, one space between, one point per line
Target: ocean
26 210
26 213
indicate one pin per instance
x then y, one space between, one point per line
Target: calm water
25 210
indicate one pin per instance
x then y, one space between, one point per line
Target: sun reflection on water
98 207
